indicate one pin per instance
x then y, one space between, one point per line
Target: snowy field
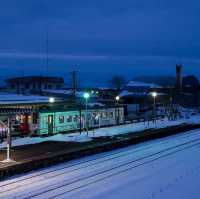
164 168
109 131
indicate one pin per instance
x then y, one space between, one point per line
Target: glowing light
154 94
86 95
117 98
51 99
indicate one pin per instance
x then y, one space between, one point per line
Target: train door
50 124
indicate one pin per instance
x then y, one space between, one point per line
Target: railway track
97 177
105 173
107 176
91 162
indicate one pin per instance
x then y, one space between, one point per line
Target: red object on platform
24 128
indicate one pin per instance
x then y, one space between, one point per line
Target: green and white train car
53 122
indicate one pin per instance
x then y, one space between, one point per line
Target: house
33 84
137 96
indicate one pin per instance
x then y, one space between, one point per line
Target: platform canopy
18 99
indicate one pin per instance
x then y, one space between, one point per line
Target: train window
69 118
44 120
88 116
61 119
110 114
75 118
104 115
94 115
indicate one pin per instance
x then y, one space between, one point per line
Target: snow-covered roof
95 104
142 84
125 93
8 98
69 92
158 94
62 91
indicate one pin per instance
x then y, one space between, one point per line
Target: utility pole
74 82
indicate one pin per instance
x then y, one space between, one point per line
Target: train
54 122
51 122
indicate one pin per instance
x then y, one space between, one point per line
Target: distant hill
159 80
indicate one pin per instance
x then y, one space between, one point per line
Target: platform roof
17 99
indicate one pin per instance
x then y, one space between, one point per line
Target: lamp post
86 96
117 98
154 95
51 100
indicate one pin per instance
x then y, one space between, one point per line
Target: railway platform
36 156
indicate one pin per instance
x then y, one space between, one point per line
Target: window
49 86
69 118
75 118
58 87
94 114
110 114
27 86
61 119
104 115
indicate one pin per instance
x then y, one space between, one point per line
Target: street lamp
86 96
117 98
51 100
154 95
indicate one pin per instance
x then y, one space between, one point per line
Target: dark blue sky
99 37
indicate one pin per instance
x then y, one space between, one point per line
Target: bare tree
117 82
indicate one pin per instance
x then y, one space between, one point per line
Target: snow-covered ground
108 131
165 168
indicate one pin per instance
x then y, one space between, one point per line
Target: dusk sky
99 38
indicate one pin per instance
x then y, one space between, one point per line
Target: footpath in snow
108 131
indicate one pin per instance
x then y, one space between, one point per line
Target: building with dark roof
34 84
